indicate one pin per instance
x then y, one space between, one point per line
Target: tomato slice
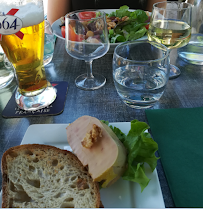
147 26
72 36
63 31
80 37
87 15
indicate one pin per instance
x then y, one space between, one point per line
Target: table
182 92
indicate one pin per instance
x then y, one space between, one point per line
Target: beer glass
22 39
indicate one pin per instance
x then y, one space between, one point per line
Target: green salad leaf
138 34
132 29
141 149
139 15
118 38
121 12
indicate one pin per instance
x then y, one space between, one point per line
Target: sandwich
42 176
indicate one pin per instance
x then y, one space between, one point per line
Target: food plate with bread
122 194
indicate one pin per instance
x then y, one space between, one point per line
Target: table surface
104 104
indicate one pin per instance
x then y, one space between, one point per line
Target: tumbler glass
140 72
22 39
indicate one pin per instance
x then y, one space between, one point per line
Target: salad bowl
56 26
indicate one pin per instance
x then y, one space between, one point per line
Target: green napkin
179 134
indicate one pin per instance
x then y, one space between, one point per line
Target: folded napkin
179 134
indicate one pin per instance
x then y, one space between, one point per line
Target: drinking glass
22 39
49 42
140 72
6 70
170 24
193 51
87 39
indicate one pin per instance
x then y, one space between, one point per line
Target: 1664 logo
10 24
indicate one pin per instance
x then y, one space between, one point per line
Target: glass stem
89 69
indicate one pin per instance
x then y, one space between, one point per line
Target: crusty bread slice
42 176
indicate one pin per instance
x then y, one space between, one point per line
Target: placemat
179 134
12 110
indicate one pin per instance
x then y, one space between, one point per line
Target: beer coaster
13 111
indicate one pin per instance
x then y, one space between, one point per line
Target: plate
57 30
122 194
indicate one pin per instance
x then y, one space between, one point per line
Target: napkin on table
179 134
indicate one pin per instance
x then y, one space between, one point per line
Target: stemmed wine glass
87 39
170 24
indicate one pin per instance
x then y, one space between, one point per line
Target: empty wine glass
170 24
87 39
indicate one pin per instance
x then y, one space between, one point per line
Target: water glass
49 42
6 70
140 72
193 52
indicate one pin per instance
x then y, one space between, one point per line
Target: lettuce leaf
139 15
132 29
138 34
141 149
118 38
121 12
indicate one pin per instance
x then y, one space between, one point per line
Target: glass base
174 72
36 102
47 59
6 78
140 105
89 84
192 52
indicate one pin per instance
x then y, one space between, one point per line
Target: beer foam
30 13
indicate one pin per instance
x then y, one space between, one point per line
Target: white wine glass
87 39
170 25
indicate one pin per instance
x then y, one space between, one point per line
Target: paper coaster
12 110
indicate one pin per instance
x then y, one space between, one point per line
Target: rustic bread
42 176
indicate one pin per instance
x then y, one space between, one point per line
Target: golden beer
26 56
25 50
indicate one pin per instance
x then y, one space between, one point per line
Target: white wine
171 33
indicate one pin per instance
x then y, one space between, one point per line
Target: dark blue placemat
12 110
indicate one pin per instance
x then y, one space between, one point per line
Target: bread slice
42 176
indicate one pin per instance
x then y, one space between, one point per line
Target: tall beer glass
22 39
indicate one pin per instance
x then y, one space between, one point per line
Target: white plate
57 30
122 194
56 25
